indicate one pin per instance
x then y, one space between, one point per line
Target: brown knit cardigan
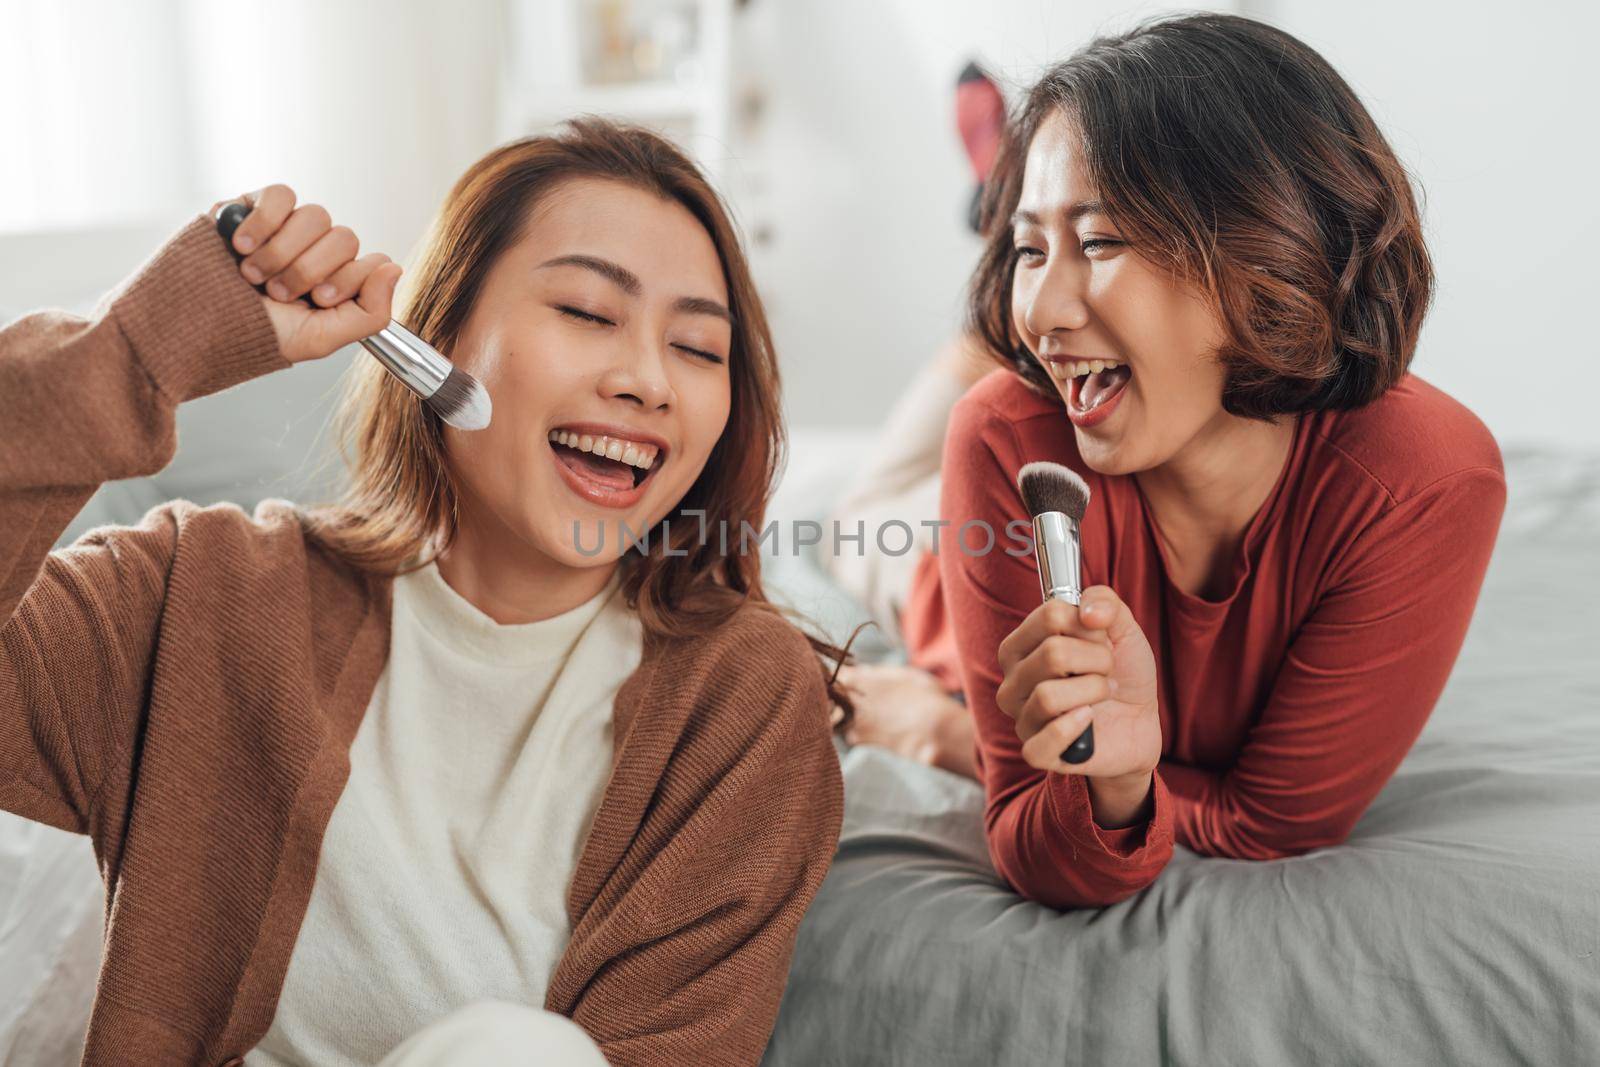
185 691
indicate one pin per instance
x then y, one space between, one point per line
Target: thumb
1101 609
376 298
370 310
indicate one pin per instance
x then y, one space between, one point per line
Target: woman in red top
1204 277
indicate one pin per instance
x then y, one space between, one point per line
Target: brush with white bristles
454 395
1057 498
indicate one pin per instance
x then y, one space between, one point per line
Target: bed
1460 924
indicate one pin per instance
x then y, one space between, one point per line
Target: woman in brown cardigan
375 780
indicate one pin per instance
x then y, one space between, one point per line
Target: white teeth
630 452
1079 367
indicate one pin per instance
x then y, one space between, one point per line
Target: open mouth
1092 383
610 463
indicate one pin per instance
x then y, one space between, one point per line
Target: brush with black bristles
1057 498
454 395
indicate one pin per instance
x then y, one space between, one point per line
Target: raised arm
83 402
1357 684
87 401
1043 837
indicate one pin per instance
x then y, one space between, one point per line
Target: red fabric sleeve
1357 684
1041 831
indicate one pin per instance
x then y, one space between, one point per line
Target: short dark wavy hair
1232 154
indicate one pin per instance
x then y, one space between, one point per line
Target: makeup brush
1057 498
454 395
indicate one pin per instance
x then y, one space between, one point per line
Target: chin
553 537
622 530
1111 457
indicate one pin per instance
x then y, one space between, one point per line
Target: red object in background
981 119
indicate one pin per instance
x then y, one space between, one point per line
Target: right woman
1203 284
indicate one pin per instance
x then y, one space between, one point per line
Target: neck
509 580
1218 481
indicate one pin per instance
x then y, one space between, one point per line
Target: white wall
372 108
1491 105
855 183
863 182
369 107
85 87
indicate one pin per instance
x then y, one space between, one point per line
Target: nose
1057 301
639 375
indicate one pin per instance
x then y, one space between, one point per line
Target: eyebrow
699 305
1072 214
616 273
629 283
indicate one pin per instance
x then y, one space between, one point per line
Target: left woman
449 772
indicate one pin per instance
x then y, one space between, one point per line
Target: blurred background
829 126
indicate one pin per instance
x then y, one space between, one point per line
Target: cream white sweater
474 776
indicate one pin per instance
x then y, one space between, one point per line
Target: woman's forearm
1118 803
954 740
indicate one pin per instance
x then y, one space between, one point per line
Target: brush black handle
229 216
1081 749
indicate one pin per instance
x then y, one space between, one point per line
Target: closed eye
587 316
582 316
710 357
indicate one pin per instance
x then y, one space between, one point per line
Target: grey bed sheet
1460 924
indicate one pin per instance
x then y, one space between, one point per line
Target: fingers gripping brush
454 395
1057 498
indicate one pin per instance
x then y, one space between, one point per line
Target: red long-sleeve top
1286 704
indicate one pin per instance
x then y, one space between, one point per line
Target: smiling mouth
612 462
1091 383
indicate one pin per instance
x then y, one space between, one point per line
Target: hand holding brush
1079 675
301 261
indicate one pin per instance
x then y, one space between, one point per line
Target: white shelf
545 85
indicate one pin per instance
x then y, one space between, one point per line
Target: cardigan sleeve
700 983
1040 825
85 401
1357 684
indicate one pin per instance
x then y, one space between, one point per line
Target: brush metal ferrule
1055 538
411 359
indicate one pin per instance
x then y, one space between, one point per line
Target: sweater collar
455 622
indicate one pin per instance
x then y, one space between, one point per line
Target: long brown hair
399 511
1232 154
